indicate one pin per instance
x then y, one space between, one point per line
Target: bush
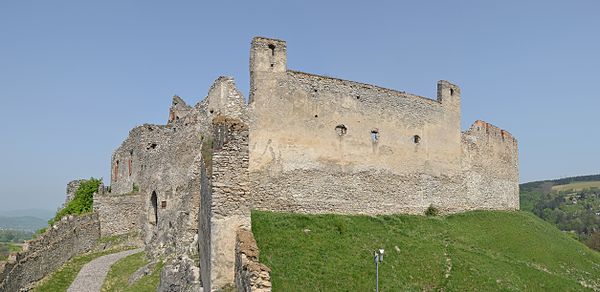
82 202
432 211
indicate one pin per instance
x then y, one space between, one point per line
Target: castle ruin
302 143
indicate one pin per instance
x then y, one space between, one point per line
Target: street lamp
378 258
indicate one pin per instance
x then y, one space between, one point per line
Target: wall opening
451 91
374 135
272 48
416 139
153 214
341 130
151 146
116 170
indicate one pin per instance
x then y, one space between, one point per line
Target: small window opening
358 97
272 65
151 146
315 90
212 111
272 47
163 204
374 135
416 139
116 170
341 130
153 216
130 162
316 116
451 91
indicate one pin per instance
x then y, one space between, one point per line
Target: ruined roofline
262 38
371 86
490 129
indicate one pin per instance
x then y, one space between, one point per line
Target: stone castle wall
68 237
225 202
119 214
326 145
304 143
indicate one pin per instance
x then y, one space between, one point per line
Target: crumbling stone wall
70 236
250 274
225 206
491 167
325 145
72 187
304 143
119 214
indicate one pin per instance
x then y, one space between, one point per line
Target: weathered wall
68 237
225 206
491 166
119 214
325 145
250 274
72 187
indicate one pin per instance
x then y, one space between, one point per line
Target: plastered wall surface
325 145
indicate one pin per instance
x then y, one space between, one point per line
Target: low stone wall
250 274
119 214
70 236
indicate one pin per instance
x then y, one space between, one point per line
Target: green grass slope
474 251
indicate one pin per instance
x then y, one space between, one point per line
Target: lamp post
378 258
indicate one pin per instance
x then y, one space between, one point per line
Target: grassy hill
472 251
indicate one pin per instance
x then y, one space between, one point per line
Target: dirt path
92 275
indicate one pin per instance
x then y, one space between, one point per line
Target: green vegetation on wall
82 202
473 251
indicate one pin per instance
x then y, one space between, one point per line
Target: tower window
451 91
272 47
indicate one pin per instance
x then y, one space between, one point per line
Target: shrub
135 188
82 202
432 211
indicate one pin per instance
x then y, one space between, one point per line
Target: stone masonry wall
119 214
325 145
70 236
491 167
228 197
250 274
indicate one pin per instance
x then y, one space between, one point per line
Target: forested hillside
572 204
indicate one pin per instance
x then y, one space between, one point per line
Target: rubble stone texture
70 236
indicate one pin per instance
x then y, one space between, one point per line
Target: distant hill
39 213
28 223
473 251
572 204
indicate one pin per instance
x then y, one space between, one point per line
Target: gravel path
92 275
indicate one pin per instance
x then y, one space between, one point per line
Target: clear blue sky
76 76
